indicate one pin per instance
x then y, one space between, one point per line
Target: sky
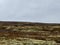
47 11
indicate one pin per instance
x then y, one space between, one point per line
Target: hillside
30 30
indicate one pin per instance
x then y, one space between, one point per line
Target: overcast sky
30 10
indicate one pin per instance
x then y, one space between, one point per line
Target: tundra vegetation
25 33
